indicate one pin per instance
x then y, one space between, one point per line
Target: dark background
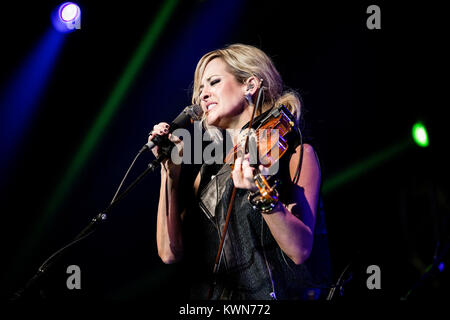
362 90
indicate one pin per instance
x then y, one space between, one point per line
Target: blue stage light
69 12
67 17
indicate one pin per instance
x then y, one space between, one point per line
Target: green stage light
420 135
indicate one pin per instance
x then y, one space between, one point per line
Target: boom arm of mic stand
89 229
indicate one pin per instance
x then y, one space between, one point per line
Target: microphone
185 118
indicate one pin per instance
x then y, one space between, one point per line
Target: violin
270 142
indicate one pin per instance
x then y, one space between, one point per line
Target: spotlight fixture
67 17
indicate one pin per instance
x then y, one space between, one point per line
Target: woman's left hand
243 173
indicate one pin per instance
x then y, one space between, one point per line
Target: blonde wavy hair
245 61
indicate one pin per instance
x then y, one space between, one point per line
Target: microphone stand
88 230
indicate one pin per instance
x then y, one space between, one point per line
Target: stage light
69 12
67 17
420 135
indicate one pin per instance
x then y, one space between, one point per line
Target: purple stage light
67 17
441 266
69 11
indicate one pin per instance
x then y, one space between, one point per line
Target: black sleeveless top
253 267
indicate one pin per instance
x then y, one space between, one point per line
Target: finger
264 170
248 174
247 157
178 143
174 138
152 135
156 131
156 128
237 178
162 130
161 127
247 169
238 162
237 170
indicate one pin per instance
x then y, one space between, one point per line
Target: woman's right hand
167 165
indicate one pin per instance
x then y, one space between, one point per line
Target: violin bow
233 193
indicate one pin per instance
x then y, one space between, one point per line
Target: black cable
44 266
86 232
125 176
339 283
